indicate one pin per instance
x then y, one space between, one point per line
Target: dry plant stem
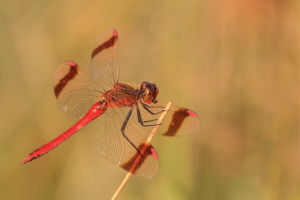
153 132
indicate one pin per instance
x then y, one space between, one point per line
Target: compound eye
150 92
150 89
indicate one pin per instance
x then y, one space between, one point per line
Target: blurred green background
236 63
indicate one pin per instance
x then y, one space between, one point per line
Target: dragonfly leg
146 107
123 130
140 120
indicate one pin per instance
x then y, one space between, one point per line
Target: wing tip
70 63
192 113
114 32
64 74
154 153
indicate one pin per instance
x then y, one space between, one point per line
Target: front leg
146 107
140 120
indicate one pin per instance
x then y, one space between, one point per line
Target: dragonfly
130 111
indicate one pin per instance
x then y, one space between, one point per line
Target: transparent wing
75 93
117 149
104 67
133 154
178 121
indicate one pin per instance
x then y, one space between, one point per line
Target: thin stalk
149 139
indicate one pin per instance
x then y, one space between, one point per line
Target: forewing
178 121
104 67
138 157
75 93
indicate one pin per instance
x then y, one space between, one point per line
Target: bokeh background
236 63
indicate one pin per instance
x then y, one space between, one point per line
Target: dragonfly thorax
148 92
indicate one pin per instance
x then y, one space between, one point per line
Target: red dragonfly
130 111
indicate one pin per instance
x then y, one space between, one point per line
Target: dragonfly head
149 92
